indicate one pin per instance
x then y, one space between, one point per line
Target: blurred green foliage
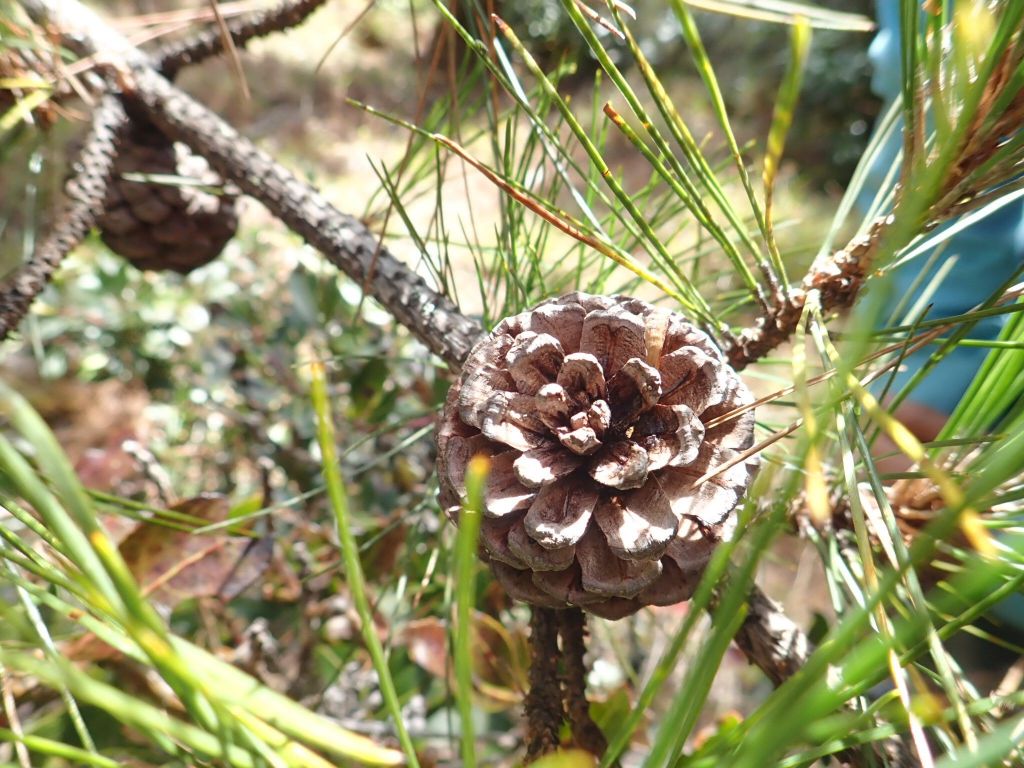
837 108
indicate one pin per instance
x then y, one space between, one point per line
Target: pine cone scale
638 525
582 377
476 391
609 576
634 389
671 435
544 465
520 585
560 514
622 465
533 361
505 421
533 555
563 321
613 336
553 407
504 494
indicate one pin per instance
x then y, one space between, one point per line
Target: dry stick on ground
768 638
85 193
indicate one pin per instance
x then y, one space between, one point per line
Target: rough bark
85 192
543 704
210 42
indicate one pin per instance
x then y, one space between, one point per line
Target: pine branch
210 42
837 279
345 241
85 192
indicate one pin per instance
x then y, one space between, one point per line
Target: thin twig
85 192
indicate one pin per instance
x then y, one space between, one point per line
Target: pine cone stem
585 732
544 712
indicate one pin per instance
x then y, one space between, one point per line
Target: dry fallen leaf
172 566
499 663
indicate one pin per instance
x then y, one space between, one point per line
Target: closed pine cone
915 502
159 225
593 411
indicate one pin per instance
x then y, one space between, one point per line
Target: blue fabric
884 51
986 253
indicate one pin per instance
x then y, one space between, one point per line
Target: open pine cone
593 412
165 225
